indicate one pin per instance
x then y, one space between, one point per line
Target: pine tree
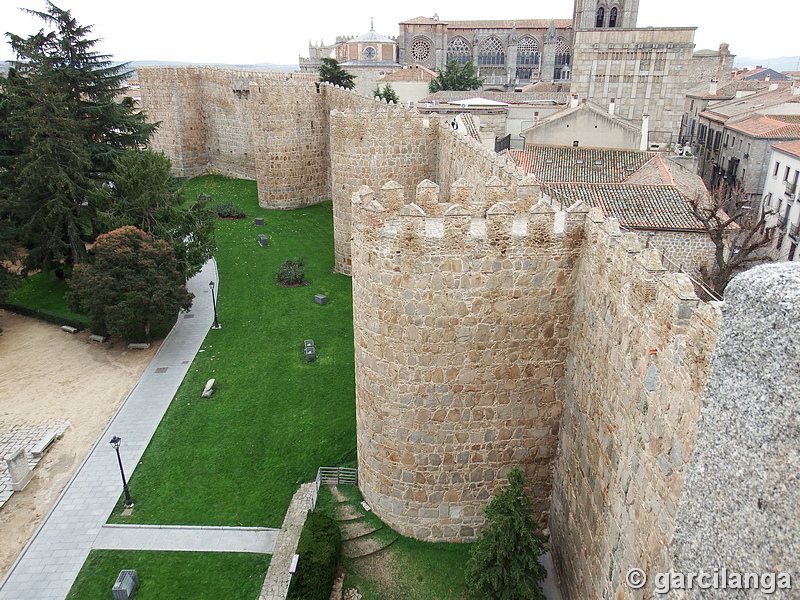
331 71
456 77
62 130
387 93
504 561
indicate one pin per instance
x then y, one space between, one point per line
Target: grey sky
244 31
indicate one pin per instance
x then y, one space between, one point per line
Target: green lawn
44 292
237 458
173 575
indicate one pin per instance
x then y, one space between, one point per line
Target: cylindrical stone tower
461 312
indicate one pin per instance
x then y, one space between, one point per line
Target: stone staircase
363 534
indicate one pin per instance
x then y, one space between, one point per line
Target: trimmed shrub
319 549
228 210
45 315
292 271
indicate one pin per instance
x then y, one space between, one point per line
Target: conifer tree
64 127
331 71
504 561
387 93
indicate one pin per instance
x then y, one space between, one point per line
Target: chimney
645 132
773 87
766 77
611 106
573 101
712 90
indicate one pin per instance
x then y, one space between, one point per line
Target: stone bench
69 329
41 447
138 346
98 338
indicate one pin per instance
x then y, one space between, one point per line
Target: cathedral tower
605 14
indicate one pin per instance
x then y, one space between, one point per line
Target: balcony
782 222
793 231
791 188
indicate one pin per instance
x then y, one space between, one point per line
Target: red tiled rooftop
767 126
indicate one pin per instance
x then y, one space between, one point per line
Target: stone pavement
257 540
13 437
50 562
276 583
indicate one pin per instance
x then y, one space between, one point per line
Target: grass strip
171 575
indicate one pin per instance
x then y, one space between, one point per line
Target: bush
319 549
228 210
292 271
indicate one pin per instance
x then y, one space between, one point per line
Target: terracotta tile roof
420 21
508 24
641 189
740 108
413 73
642 206
767 126
561 164
792 147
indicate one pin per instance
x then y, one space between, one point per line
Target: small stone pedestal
18 470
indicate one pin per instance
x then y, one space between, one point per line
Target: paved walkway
257 540
49 564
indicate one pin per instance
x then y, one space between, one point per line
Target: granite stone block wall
462 314
639 349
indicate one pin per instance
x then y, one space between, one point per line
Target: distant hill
784 63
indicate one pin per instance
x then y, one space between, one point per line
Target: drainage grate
162 369
190 316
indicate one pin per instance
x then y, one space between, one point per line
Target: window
561 70
421 50
612 18
492 52
786 174
527 58
459 50
369 52
601 17
777 166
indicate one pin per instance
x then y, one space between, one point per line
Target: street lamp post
115 442
214 304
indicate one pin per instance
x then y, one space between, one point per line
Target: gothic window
528 51
420 50
492 52
458 50
369 53
562 68
612 18
601 17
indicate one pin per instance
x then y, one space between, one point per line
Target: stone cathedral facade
600 53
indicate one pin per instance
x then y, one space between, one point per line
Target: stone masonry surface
742 490
493 329
276 584
28 437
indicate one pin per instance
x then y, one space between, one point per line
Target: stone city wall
372 142
639 350
461 310
685 250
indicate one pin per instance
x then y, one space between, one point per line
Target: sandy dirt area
47 375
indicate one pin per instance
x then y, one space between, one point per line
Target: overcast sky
248 31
